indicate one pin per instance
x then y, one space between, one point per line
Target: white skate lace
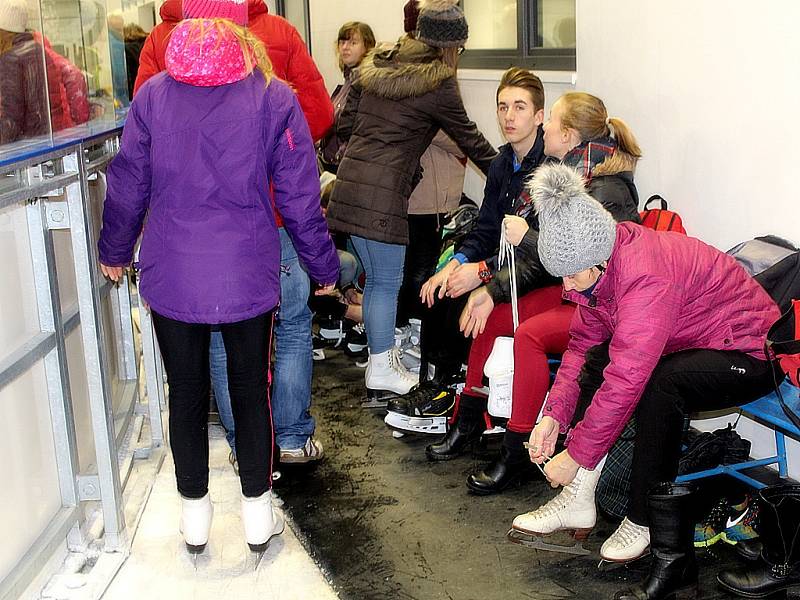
557 504
397 366
627 534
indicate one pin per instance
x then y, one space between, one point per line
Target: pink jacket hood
661 293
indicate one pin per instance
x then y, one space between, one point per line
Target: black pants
422 254
442 343
682 383
184 347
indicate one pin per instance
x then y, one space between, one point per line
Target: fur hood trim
406 70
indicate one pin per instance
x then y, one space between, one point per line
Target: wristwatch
484 273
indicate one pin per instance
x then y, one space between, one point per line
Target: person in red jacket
286 49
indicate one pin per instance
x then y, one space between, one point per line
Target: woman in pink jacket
684 327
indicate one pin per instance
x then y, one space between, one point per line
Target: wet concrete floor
384 522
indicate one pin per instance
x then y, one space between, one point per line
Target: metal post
55 362
96 361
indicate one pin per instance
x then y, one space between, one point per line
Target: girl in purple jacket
202 145
682 328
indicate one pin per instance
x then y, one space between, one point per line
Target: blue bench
767 411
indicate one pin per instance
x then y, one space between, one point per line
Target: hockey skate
386 378
572 513
355 342
333 331
427 408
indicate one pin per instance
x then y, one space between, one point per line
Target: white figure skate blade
549 543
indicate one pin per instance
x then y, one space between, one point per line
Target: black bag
711 449
775 264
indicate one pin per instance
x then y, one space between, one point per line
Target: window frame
280 9
525 54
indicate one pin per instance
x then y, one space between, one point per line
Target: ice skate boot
572 511
628 543
333 331
425 409
196 514
355 342
261 523
386 378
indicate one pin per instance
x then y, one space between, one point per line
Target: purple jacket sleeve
295 187
637 344
128 193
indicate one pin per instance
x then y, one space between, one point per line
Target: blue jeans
291 384
348 268
383 264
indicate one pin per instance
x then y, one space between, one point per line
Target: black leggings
682 383
184 347
422 254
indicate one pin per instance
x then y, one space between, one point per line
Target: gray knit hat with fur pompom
441 24
575 231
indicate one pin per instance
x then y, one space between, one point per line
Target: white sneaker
196 514
310 451
573 509
261 521
386 372
627 543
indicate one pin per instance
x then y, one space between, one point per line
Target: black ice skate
426 408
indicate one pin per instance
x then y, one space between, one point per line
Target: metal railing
55 190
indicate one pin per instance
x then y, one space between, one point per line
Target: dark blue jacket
503 187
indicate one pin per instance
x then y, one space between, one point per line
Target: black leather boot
673 573
513 464
465 432
778 567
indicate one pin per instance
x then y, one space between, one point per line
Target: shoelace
506 255
556 505
397 366
628 533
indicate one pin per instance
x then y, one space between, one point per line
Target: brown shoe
310 452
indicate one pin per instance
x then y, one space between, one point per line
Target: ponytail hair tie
609 126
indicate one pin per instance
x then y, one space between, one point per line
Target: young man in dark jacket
520 112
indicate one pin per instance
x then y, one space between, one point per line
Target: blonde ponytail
587 115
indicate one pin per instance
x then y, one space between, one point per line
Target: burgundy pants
544 329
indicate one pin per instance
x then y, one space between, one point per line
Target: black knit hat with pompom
441 24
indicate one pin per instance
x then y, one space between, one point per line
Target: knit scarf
587 155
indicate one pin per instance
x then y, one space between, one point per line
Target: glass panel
30 496
19 317
67 85
554 24
492 24
24 111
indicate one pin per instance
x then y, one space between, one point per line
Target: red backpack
661 219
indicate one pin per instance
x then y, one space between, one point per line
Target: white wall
710 89
327 16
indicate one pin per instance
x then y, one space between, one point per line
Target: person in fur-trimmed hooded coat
404 95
